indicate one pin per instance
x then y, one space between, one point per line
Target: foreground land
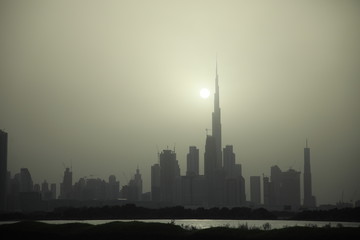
141 230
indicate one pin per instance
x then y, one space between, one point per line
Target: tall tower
216 122
309 200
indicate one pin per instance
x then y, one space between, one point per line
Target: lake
207 223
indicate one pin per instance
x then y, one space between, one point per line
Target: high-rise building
284 189
216 122
290 189
169 172
53 190
66 186
155 182
234 187
266 190
135 187
309 199
229 160
26 183
3 169
45 191
113 188
214 176
210 165
192 161
255 192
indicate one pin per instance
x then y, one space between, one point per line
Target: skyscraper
155 182
26 182
169 172
266 191
135 187
113 188
66 185
290 190
3 169
309 199
210 157
229 160
193 161
255 196
283 190
216 122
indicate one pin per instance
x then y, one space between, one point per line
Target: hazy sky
101 84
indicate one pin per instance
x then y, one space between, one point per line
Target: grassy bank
141 230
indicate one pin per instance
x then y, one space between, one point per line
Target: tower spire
216 66
216 119
216 76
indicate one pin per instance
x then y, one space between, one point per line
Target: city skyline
101 87
222 183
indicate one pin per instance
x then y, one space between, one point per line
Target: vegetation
344 214
141 230
130 211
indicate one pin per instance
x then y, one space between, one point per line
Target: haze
100 85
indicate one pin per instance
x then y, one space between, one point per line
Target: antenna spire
216 66
306 143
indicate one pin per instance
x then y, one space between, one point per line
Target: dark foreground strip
140 230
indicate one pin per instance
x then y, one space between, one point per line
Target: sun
204 93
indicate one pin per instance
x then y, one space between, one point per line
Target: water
207 223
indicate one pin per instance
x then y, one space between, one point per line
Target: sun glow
204 93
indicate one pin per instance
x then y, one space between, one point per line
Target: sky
102 86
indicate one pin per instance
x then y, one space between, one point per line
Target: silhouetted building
210 163
255 191
290 189
95 189
66 186
169 172
284 189
135 187
234 191
216 122
46 194
26 183
229 160
193 190
309 199
225 184
155 182
113 188
53 190
192 161
3 169
37 188
214 174
266 190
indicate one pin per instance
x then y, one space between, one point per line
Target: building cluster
19 193
222 183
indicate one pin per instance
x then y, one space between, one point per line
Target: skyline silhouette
221 185
100 87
